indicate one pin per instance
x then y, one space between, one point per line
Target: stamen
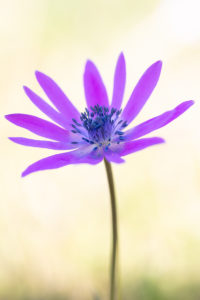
119 132
85 139
124 124
101 126
78 124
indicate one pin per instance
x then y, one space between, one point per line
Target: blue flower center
100 126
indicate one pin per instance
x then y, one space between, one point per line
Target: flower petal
142 91
134 146
43 144
57 97
95 91
63 159
113 157
40 127
119 82
157 122
47 109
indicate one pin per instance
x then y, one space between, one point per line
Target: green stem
113 266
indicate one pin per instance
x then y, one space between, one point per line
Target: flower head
101 130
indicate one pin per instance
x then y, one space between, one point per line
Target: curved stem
113 265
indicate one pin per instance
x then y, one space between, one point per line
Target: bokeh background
55 226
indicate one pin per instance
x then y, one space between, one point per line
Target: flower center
100 126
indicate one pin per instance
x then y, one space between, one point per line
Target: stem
113 265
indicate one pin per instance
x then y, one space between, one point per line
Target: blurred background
55 225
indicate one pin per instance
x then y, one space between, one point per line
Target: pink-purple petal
142 91
42 144
63 159
47 109
95 91
57 97
119 82
51 162
134 146
40 127
91 159
157 122
113 157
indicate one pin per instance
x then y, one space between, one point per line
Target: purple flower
99 132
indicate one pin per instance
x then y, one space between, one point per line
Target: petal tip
121 60
37 72
155 69
13 139
39 75
8 117
188 103
158 64
24 174
89 64
121 55
160 140
157 140
184 106
191 102
26 90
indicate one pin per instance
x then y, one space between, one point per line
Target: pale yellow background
55 225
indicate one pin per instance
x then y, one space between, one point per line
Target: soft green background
55 226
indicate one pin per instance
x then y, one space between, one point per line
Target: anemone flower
100 132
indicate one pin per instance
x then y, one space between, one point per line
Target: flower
101 131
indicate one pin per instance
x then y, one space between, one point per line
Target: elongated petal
47 109
57 96
95 91
40 127
157 122
42 144
63 159
119 82
142 91
134 146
